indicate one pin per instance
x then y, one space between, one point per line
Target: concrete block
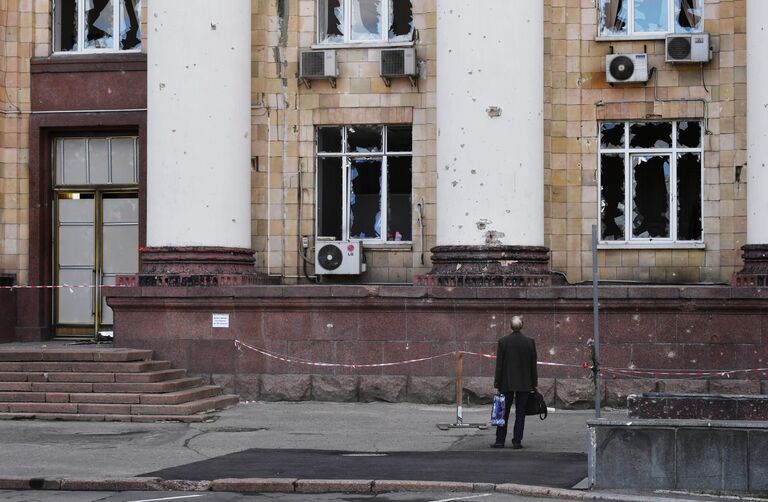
247 387
684 386
384 486
575 393
734 387
710 459
286 387
185 485
617 391
334 388
758 462
254 485
634 457
478 390
334 486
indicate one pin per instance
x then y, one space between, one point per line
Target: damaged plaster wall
199 132
490 103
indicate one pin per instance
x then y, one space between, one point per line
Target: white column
757 122
199 123
490 169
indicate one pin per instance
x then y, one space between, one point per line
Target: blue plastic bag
497 411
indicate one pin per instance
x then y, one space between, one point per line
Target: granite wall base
363 328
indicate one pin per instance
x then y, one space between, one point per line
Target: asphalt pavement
376 444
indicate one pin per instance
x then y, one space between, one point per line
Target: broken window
351 21
97 25
618 18
651 168
364 183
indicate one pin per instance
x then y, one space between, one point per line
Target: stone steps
101 384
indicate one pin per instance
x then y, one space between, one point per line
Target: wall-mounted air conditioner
688 48
318 65
626 68
399 62
339 257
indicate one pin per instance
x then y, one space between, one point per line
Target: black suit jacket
516 364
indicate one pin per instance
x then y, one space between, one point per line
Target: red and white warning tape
651 373
65 286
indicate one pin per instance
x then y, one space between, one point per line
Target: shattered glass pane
329 197
650 196
364 139
365 199
329 139
366 20
688 16
612 199
399 198
331 21
99 24
401 29
66 25
399 139
650 135
689 134
651 15
612 135
689 227
130 24
613 17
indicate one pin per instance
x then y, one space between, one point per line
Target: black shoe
517 446
497 445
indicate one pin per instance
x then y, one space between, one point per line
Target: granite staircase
101 384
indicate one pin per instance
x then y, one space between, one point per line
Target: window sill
632 38
651 245
363 45
390 246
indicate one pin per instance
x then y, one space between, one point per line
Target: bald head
516 324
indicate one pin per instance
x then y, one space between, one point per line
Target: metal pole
459 387
596 320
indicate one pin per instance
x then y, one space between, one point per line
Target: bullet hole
213 26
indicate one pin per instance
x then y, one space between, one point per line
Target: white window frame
347 187
641 35
346 6
81 49
653 242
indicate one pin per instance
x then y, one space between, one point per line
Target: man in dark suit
516 376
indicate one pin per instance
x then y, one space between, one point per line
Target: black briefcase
536 405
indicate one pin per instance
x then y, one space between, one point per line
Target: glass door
96 234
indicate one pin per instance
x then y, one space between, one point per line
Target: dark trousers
521 400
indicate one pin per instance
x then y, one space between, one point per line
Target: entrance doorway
96 229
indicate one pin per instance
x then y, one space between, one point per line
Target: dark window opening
689 227
66 26
650 216
329 140
650 135
402 20
365 199
330 197
689 134
689 15
612 197
364 139
332 20
399 174
399 139
612 135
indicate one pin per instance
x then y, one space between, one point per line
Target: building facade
225 144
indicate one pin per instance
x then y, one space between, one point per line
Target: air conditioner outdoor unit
688 48
339 257
399 63
626 68
318 65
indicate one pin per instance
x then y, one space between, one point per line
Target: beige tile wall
284 115
577 96
284 119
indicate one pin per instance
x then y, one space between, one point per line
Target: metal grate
313 64
393 62
679 48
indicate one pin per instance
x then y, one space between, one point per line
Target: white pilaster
199 123
757 122
490 55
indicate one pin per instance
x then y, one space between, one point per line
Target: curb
307 486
